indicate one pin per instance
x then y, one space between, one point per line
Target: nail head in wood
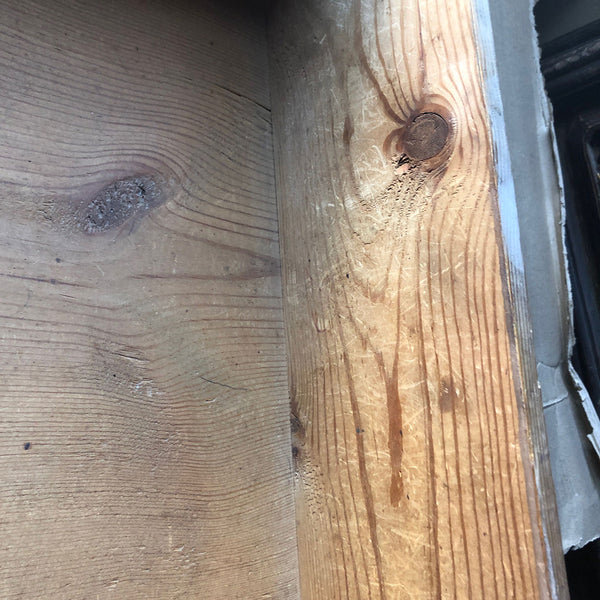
425 136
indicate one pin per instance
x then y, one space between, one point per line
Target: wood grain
414 477
144 422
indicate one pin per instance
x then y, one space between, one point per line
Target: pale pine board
144 364
413 471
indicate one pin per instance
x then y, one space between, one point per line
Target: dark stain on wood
348 131
298 437
296 425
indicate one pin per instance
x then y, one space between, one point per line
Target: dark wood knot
425 136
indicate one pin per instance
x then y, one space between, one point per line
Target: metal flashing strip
538 190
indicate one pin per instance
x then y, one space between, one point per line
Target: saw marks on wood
411 460
144 421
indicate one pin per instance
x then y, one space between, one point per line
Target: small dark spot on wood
348 131
425 136
296 425
347 275
26 445
446 395
53 281
407 497
58 260
358 430
297 431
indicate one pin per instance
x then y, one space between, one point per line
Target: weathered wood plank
144 428
414 477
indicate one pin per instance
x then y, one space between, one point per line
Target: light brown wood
413 469
144 422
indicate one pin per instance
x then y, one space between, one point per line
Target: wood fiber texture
413 473
144 421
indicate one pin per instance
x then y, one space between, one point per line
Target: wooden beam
413 457
144 428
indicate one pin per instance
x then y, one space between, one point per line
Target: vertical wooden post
414 473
